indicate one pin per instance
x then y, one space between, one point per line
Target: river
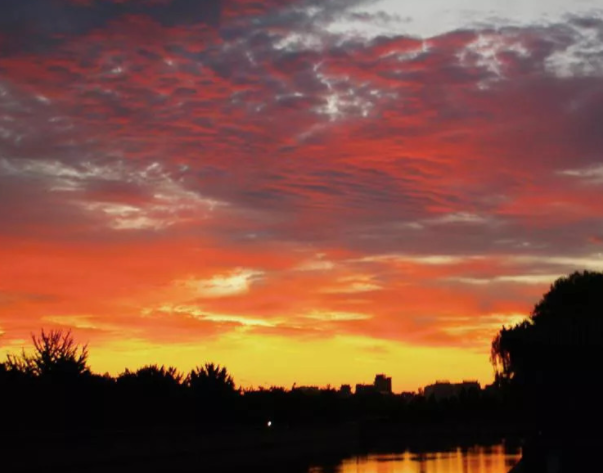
496 459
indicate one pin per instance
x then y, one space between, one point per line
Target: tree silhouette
212 380
551 359
151 379
214 391
56 356
151 395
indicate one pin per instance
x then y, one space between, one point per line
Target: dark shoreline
561 453
229 450
181 451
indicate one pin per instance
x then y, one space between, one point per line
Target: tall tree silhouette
56 355
53 381
552 359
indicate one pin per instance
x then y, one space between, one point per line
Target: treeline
53 390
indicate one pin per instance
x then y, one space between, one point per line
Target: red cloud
394 189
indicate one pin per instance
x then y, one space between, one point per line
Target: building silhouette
381 385
442 390
365 389
308 390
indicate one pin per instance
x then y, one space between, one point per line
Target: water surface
462 460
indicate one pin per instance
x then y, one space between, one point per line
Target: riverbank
228 450
560 454
182 451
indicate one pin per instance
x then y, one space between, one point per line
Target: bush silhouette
152 377
150 395
211 380
213 391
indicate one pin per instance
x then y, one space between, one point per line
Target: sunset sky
310 191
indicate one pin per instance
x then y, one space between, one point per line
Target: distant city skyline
439 389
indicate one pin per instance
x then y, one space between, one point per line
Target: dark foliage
56 356
213 394
551 361
151 379
211 380
53 394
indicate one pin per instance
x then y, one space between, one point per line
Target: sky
305 191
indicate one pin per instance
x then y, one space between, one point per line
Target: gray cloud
263 122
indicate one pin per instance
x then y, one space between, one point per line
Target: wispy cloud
234 283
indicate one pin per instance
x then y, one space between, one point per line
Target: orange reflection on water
466 460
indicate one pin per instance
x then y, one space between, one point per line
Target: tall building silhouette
383 384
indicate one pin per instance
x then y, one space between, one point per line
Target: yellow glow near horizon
278 361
